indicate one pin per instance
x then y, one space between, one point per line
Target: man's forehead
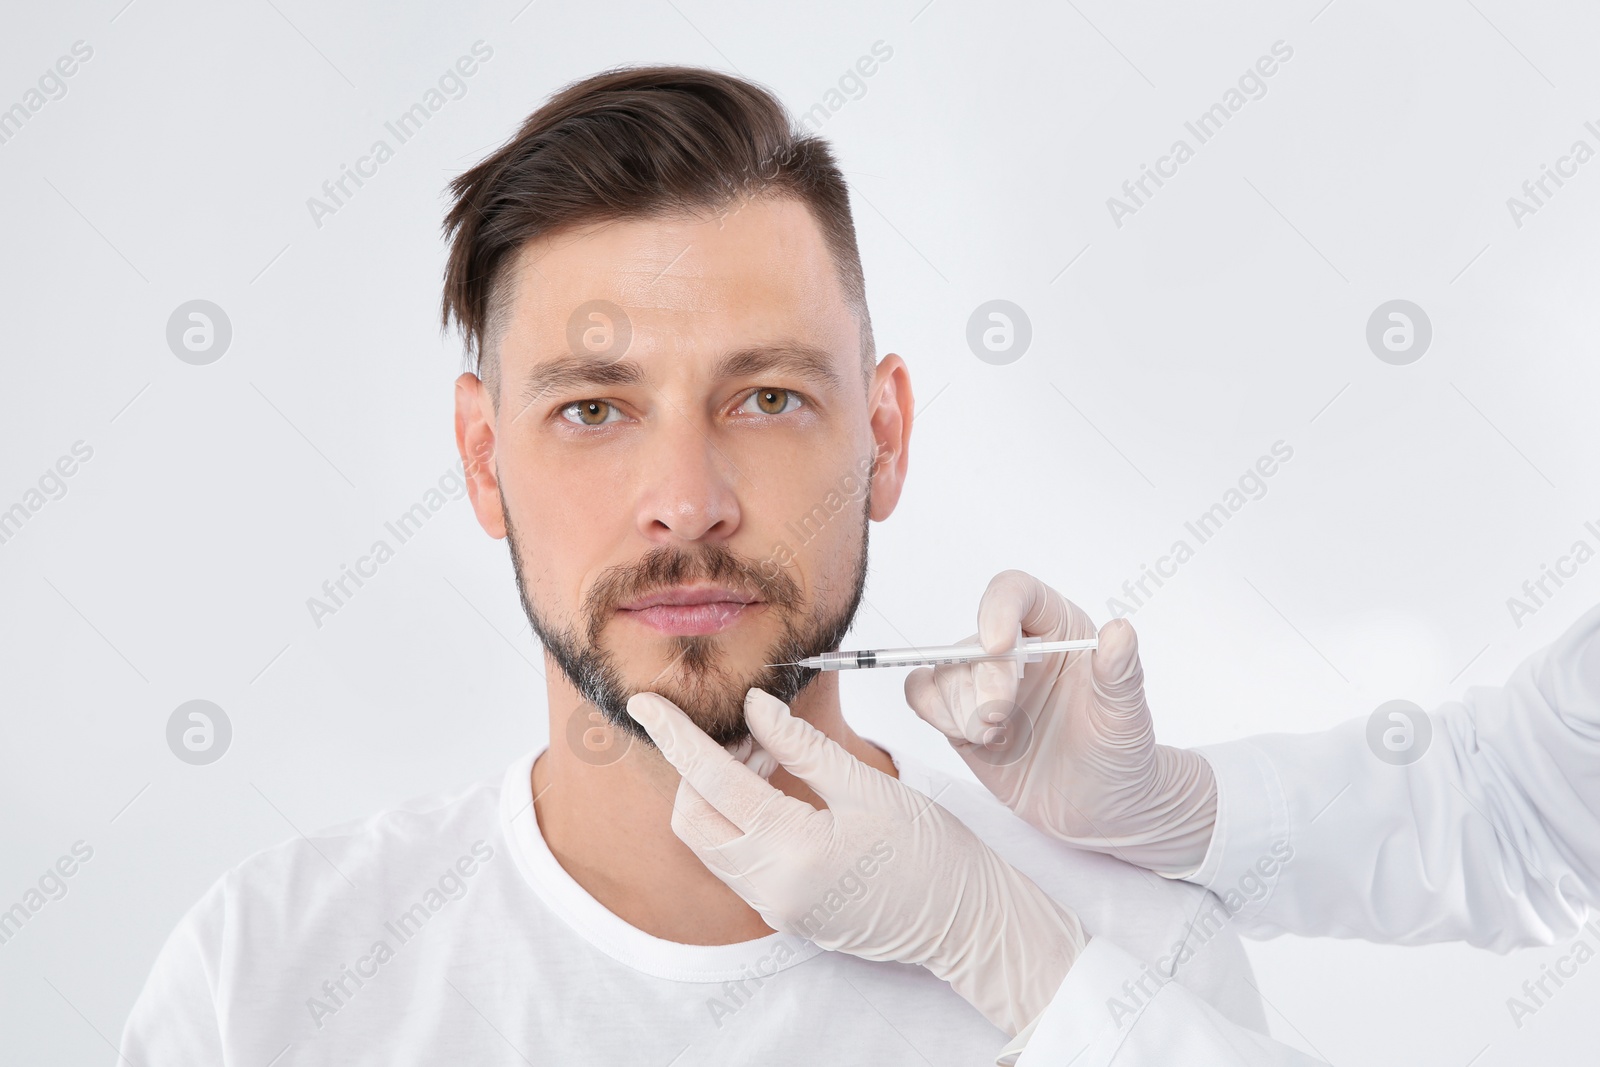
763 250
760 271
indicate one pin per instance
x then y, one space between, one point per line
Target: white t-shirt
445 932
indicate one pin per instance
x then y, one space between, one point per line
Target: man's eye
590 413
773 401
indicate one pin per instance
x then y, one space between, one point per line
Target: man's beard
713 697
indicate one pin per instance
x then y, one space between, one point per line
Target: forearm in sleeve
1095 1021
1491 837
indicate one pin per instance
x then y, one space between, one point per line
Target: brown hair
632 143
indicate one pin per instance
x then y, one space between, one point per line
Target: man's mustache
664 567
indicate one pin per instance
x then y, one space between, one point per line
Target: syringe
1028 650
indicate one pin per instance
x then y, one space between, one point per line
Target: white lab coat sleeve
1093 1022
1492 835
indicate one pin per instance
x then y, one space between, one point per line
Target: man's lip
691 620
687 596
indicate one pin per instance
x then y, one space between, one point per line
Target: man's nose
687 485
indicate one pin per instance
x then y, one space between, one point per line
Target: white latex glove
1071 747
883 872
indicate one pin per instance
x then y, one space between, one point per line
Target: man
675 374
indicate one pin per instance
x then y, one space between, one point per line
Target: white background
1227 314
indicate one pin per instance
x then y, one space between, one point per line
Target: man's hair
626 144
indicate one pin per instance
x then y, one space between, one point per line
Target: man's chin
707 677
718 711
715 701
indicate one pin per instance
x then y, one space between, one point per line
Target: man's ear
475 424
890 408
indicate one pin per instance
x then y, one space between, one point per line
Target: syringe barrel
930 656
1026 651
843 661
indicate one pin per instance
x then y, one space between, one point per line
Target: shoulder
290 915
305 887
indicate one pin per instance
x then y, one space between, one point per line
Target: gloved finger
943 697
957 685
752 755
733 789
994 689
1118 677
958 721
1018 599
713 839
805 752
1004 606
922 693
740 750
697 824
1017 604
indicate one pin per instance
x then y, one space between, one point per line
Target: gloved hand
882 873
1070 745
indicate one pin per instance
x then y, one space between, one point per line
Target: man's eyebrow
567 372
803 360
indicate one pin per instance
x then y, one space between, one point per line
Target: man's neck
608 822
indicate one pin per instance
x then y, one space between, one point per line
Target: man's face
686 485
